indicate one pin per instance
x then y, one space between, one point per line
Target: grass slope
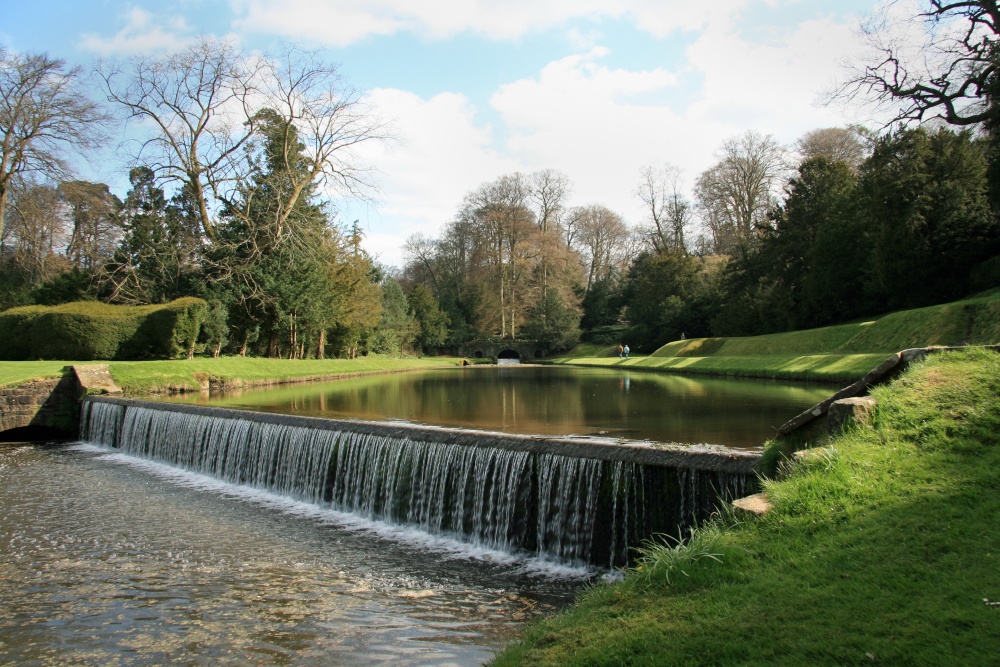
885 551
836 353
18 372
138 377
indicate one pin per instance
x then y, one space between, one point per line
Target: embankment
836 354
882 550
45 395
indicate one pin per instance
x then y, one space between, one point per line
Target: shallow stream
112 560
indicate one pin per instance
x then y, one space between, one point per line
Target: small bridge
525 350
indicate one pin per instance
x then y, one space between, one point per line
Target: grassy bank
136 377
836 353
139 377
819 367
883 551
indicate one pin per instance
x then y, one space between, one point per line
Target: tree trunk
3 208
321 348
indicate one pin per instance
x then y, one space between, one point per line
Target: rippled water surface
108 560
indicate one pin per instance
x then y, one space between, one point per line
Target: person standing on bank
626 351
620 351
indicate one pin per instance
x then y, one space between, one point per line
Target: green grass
136 377
881 552
19 372
139 377
837 353
819 367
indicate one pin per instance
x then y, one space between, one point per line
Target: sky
474 89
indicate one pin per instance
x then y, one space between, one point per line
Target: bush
88 330
985 274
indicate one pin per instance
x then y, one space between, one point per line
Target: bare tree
508 234
44 118
201 104
549 190
940 63
736 194
97 225
602 240
324 123
38 231
206 105
669 213
421 254
850 145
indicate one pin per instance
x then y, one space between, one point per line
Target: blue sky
594 88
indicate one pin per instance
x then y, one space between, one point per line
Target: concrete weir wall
702 457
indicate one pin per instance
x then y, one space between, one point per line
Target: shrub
88 330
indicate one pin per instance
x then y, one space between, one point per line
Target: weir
576 500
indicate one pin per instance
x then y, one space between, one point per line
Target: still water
550 400
111 560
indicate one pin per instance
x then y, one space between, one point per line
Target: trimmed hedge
88 330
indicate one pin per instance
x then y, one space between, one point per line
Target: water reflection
552 401
104 563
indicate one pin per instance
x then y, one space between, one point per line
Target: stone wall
51 403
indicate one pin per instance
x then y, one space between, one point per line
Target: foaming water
444 547
475 490
111 559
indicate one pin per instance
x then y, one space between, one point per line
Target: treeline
238 158
842 225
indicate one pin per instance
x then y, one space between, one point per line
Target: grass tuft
665 556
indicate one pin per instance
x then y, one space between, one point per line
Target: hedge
88 330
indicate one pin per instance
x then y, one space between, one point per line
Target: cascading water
479 489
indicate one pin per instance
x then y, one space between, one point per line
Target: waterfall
491 490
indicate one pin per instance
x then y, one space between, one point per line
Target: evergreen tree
432 321
926 195
157 259
397 328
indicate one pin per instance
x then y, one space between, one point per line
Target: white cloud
772 87
660 19
601 125
442 154
143 33
582 118
344 22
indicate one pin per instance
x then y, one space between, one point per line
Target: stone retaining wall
51 403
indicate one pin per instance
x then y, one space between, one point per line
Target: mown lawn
137 377
17 372
820 367
885 550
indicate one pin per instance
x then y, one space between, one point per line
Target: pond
108 559
549 400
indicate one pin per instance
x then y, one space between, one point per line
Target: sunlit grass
18 372
820 367
137 377
881 550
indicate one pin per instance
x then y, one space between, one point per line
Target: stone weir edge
702 457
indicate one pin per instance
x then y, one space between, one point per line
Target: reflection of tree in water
558 401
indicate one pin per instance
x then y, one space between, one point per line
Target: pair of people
623 350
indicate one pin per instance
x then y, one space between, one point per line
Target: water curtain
572 500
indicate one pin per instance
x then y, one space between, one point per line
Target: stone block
850 411
757 504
